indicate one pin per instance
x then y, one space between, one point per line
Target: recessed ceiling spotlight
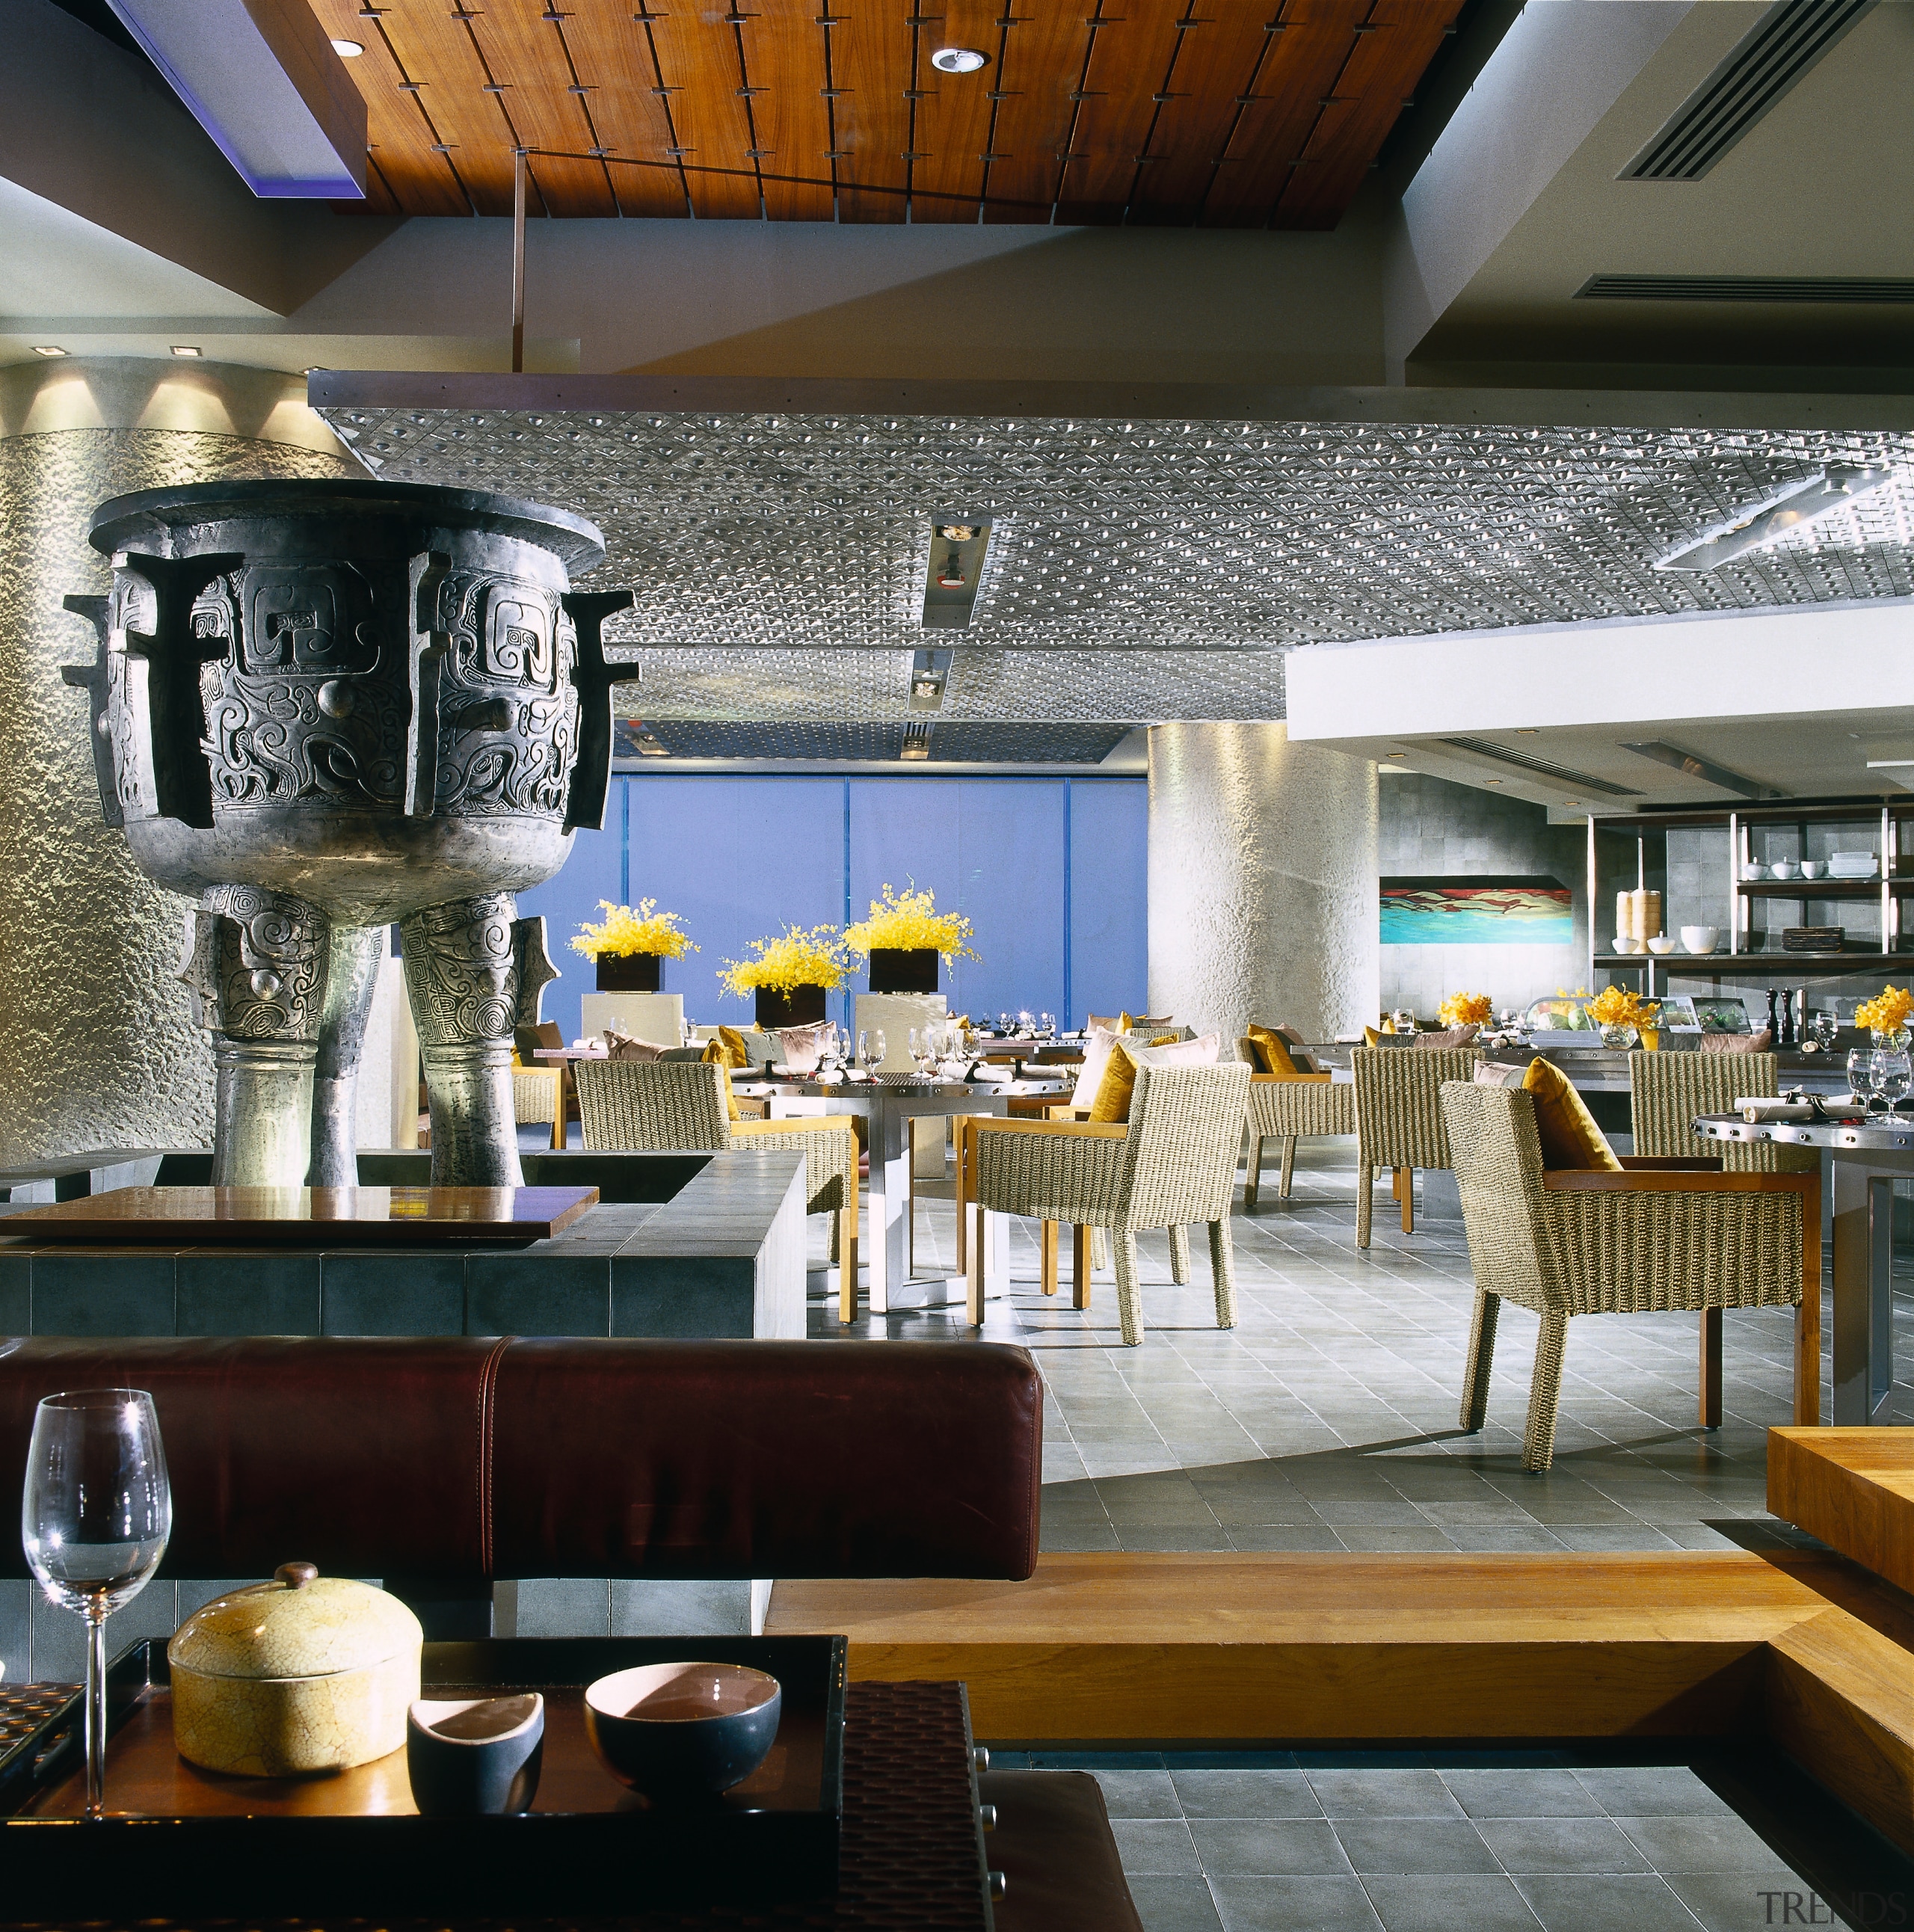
1571 801
1528 731
48 349
956 532
957 60
1492 781
184 349
347 49
1398 754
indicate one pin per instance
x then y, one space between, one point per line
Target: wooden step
1853 1488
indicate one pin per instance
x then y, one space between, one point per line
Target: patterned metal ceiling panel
808 532
1076 686
959 743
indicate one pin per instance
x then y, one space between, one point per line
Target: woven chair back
535 1098
1498 1154
1667 1090
1185 1129
1399 1107
649 1106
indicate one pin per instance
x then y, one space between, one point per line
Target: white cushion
803 1047
1096 1046
1205 1051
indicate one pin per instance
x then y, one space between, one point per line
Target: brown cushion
622 1046
1763 1042
1054 1845
1569 1134
1452 1036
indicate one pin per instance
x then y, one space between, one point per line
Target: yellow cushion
1124 1022
714 1056
1272 1050
732 1041
1569 1135
1118 1085
1371 1037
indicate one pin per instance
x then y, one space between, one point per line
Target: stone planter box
904 970
801 1005
630 972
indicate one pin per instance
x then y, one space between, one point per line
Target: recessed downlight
185 349
958 60
48 349
347 49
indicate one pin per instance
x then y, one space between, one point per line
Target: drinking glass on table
1889 1073
1859 1060
923 1050
870 1049
95 1514
1403 1019
1046 1026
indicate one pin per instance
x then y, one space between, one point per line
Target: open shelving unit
1886 825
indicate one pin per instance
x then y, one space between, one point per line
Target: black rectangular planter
630 972
800 1006
904 970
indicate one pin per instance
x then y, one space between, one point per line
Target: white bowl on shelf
1813 869
1754 869
1700 938
1784 868
1661 945
1627 945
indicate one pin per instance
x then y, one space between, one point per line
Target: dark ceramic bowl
679 1731
476 1755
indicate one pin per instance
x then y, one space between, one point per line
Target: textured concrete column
99 1049
1262 881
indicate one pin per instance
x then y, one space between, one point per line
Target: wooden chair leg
1079 1267
1046 1252
1179 1254
1288 1163
1711 1368
1481 1361
1222 1273
1808 1316
1545 1392
558 1126
973 1272
1395 1184
1365 1203
1405 1185
1129 1294
1256 1174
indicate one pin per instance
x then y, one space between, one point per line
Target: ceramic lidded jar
306 1673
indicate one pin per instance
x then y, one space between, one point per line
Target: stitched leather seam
487 1419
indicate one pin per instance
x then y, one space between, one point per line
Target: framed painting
1538 911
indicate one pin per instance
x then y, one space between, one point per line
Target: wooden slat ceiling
1238 113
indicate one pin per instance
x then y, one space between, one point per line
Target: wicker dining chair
1399 1119
1171 1163
655 1105
537 1097
1661 1235
1667 1091
1290 1107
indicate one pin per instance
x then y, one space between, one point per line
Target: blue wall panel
1109 896
738 856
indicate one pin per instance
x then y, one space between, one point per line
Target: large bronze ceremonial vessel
321 707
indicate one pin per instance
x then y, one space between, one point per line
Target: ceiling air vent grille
1542 767
1746 288
1784 43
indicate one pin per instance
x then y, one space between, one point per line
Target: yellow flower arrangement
1467 1009
1888 1012
1615 1006
623 931
908 922
795 958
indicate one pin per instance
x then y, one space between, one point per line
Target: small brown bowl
675 1731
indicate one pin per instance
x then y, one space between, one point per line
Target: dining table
887 1103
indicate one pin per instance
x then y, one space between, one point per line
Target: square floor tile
1413 1847
1315 1904
1139 1794
1536 1792
1583 1903
1535 1847
1157 1846
1267 1845
1476 1903
1173 1904
1721 1842
1651 1791
1367 1793
1246 1794
1756 1902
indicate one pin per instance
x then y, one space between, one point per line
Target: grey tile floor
1270 1842
1327 1419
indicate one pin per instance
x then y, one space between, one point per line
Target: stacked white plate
1851 865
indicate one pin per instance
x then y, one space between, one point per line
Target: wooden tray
177 1840
386 1217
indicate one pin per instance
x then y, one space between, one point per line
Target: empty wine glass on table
923 1050
1890 1074
1860 1060
95 1514
870 1049
1046 1026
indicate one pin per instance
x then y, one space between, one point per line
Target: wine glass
870 1049
94 1517
1890 1073
1860 1060
923 1050
1046 1026
1004 1025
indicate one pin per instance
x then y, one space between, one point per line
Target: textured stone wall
1262 880
97 1049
